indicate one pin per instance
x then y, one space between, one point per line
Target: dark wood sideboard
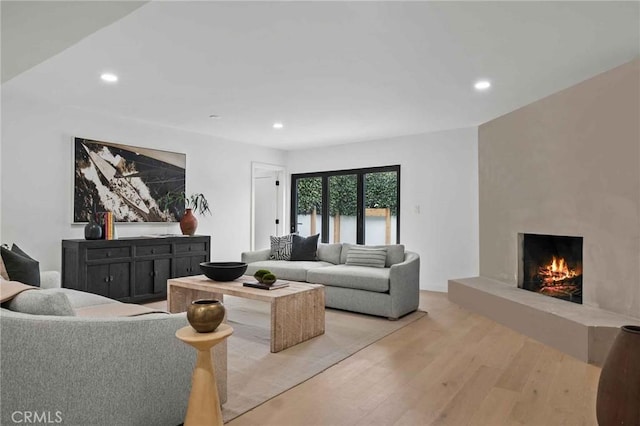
132 269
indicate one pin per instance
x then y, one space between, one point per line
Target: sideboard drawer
190 247
108 253
153 250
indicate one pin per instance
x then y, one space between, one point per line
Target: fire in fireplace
551 265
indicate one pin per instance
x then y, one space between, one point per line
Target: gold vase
205 315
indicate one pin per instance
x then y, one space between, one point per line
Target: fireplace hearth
551 265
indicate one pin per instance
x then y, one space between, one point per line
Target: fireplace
551 265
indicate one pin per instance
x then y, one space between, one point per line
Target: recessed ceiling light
278 125
109 78
482 84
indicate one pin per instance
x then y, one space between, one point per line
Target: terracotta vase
619 387
205 315
188 223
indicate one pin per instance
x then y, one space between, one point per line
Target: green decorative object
260 274
268 279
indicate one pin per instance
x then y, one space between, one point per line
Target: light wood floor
451 367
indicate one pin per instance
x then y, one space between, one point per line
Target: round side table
204 402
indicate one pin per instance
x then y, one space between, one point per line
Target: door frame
281 202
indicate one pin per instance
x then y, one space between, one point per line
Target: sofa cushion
281 247
356 277
41 302
81 299
395 253
330 252
20 266
365 256
304 248
294 271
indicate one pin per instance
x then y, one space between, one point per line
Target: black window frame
360 173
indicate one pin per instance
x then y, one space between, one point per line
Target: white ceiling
33 31
333 72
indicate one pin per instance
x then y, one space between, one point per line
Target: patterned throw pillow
281 247
373 258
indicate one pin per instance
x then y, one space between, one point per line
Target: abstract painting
129 181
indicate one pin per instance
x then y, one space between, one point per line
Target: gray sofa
392 291
94 371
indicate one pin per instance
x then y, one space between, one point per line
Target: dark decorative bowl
223 271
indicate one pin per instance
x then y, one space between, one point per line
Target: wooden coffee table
297 311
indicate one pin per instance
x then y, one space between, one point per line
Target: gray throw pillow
41 302
373 258
395 253
281 247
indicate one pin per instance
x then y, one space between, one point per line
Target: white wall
438 191
438 174
36 177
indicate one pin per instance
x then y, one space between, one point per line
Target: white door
266 210
268 204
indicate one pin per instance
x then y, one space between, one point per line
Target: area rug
255 375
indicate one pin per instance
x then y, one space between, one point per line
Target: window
348 206
308 205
